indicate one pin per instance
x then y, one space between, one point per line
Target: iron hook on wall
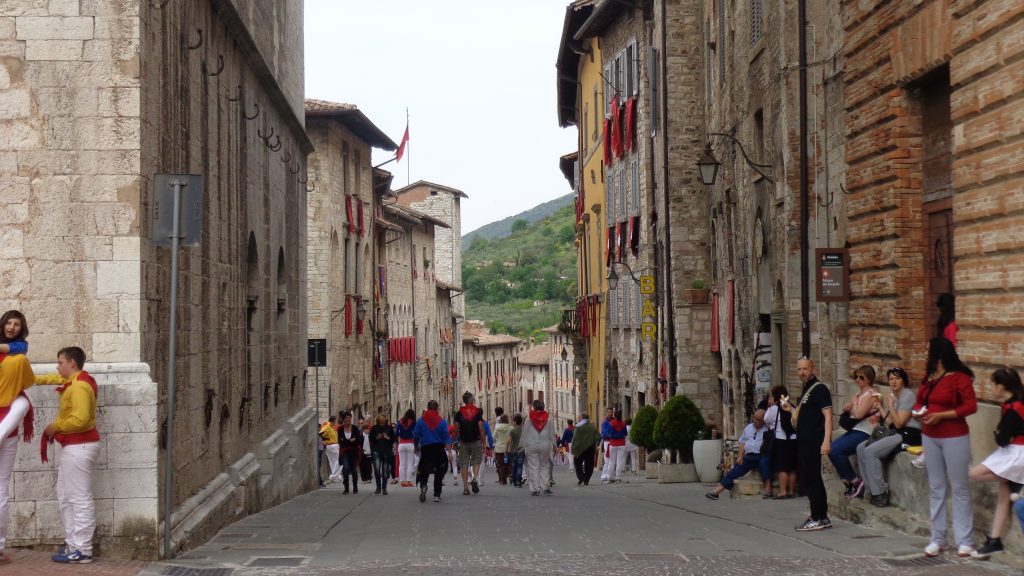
288 159
296 168
220 66
253 117
276 146
268 136
303 179
198 43
236 98
308 189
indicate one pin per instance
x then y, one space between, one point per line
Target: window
632 80
344 168
652 93
634 168
584 131
619 74
707 60
359 172
721 42
756 21
597 111
609 85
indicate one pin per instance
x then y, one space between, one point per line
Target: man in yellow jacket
329 434
75 429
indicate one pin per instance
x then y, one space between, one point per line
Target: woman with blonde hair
859 408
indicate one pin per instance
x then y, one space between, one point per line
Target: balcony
570 323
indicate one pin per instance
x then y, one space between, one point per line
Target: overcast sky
478 78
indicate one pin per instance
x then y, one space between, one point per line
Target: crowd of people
788 440
73 430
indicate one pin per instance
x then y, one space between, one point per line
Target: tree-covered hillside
503 227
520 284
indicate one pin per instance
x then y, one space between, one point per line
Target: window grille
756 20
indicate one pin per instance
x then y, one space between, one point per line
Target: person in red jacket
74 429
944 401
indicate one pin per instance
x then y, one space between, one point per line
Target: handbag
880 431
768 436
847 421
796 412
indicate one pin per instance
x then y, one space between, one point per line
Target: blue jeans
750 461
841 450
517 467
382 469
1018 509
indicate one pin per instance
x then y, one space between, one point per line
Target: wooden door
938 257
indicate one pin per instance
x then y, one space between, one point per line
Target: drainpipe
805 297
667 280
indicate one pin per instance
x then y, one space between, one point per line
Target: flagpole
407 162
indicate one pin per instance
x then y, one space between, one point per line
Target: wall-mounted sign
832 273
649 312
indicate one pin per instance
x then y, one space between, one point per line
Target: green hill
521 284
503 227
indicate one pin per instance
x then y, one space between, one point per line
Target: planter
675 473
652 470
707 455
695 296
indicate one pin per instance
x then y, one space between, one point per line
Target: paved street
639 527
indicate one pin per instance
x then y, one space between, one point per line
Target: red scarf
77 437
570 427
469 412
431 418
539 418
618 425
407 423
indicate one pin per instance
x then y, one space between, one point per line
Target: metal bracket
277 146
199 31
220 66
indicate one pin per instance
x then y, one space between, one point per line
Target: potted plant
641 433
675 429
697 293
707 455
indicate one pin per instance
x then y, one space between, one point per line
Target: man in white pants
614 433
74 429
608 464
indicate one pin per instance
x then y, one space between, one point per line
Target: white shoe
966 551
933 549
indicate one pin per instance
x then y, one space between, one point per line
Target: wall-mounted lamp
564 354
709 165
613 278
361 310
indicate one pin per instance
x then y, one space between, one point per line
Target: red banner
348 214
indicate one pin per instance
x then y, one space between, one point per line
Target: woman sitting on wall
905 430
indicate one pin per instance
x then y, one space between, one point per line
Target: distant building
492 362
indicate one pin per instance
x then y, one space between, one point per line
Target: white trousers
618 462
606 468
14 418
74 494
331 451
538 466
633 453
407 462
8 450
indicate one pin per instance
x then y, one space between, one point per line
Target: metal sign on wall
832 273
649 312
191 211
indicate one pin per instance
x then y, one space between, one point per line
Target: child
13 332
75 429
1006 464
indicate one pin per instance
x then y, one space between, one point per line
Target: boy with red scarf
75 429
614 432
431 435
469 424
537 440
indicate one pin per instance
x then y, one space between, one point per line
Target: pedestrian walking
350 444
382 449
607 468
1006 464
469 426
431 435
614 433
515 450
944 402
538 440
329 435
585 440
365 455
406 449
502 433
813 418
74 429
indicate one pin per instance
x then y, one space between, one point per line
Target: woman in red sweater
944 401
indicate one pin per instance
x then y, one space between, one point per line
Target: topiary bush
677 426
641 432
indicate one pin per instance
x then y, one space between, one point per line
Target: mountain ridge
503 228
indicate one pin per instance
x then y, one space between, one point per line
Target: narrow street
630 528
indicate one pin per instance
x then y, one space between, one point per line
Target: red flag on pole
401 147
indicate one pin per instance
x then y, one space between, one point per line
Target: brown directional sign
832 274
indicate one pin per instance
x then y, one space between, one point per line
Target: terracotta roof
413 215
353 119
420 183
492 339
536 356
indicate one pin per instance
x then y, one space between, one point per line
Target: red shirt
954 391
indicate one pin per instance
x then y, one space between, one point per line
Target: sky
478 78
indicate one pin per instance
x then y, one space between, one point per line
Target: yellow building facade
581 104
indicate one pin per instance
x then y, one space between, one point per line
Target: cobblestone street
630 528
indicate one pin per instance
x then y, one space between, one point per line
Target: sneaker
811 524
384 492
377 491
437 498
992 546
345 492
476 486
711 495
968 551
72 557
848 489
933 549
548 492
856 488
881 500
423 494
355 490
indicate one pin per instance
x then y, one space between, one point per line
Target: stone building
411 307
492 361
342 256
98 97
563 390
533 379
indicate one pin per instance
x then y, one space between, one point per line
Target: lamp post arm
757 167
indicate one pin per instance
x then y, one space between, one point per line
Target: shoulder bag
806 396
768 436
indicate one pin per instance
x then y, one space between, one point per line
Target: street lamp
564 354
708 165
361 310
613 278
